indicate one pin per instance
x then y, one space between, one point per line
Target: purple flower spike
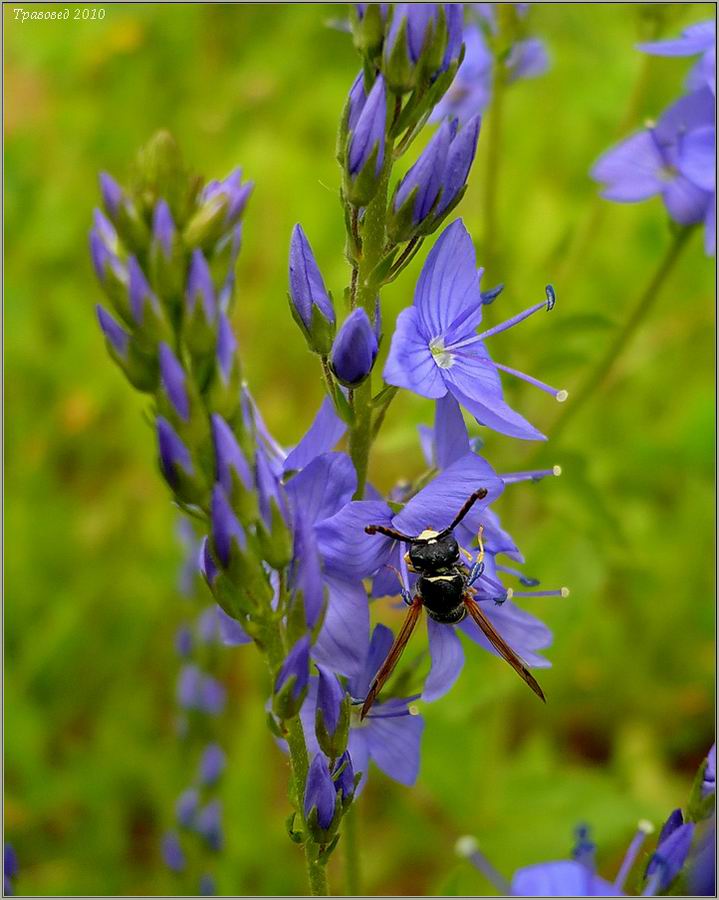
435 349
369 132
297 664
200 286
212 764
111 194
228 455
307 289
118 338
226 529
173 452
354 349
172 853
356 101
174 382
186 807
320 792
141 294
163 227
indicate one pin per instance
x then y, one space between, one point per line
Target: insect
444 589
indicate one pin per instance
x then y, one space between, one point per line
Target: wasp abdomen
442 596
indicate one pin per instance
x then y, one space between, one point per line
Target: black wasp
444 589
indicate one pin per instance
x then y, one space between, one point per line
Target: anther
561 396
551 297
556 470
413 710
510 594
466 846
565 593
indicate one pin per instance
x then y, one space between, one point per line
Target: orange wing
502 647
395 651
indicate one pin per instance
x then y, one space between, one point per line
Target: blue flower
116 336
172 852
163 227
200 287
186 807
141 294
209 824
365 147
672 159
698 38
174 381
435 348
230 191
212 764
310 303
174 455
226 529
354 349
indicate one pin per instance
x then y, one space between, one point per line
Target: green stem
373 248
646 301
351 852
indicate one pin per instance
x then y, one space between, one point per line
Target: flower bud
345 778
117 338
222 205
355 349
368 24
228 535
416 194
186 807
224 393
366 146
172 853
167 267
176 462
212 764
332 714
110 271
209 825
292 681
410 34
321 803
112 194
200 323
460 157
310 304
174 382
233 471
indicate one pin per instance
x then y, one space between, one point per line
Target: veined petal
344 636
346 549
324 432
436 505
631 170
564 878
394 746
697 157
694 39
410 363
447 654
359 752
379 646
448 286
689 112
491 410
323 487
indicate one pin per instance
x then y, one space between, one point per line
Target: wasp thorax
432 553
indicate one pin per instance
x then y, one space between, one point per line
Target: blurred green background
92 764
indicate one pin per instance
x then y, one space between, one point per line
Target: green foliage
92 764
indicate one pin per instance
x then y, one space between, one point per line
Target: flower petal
685 202
323 487
565 878
436 505
523 632
489 409
344 636
447 654
324 432
379 647
697 155
358 747
410 363
394 746
346 549
450 433
631 170
448 286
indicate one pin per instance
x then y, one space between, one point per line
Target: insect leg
406 596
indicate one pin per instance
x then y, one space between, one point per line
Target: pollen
442 357
564 592
645 826
413 710
556 470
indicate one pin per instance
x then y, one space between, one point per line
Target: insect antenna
479 494
390 533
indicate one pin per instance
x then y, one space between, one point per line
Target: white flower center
442 357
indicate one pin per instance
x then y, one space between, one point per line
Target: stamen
643 829
551 297
397 714
515 320
560 592
491 295
503 591
653 884
559 395
468 848
537 475
523 579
